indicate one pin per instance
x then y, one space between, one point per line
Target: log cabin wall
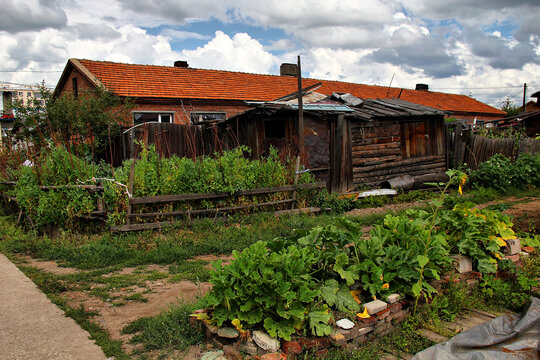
387 148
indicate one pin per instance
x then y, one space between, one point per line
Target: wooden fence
134 213
466 147
179 139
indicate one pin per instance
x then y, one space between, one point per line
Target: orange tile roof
151 81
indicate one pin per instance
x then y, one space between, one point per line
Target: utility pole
524 97
300 112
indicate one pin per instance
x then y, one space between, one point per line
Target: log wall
379 153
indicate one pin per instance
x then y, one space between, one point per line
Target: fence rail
158 200
465 146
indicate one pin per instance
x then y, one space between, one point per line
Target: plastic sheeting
506 337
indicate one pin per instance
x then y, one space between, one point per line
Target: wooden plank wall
377 151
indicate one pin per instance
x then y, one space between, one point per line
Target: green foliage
510 108
170 329
509 294
500 173
89 118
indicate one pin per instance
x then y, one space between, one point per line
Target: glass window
142 117
199 117
29 94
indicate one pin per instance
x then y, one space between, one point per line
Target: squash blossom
363 315
386 286
355 294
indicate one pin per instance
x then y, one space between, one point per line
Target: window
199 117
29 94
274 129
75 87
142 117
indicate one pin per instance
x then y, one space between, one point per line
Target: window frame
159 114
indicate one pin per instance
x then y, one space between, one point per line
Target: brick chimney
287 69
422 87
181 64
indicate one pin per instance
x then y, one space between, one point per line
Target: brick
231 353
395 316
381 315
291 347
315 343
375 306
337 338
362 331
382 328
274 356
367 322
321 353
395 307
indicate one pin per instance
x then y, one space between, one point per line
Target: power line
31 71
483 88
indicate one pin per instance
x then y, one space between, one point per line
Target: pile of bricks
383 317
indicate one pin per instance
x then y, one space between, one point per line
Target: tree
510 108
85 122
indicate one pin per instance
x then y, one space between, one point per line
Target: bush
500 173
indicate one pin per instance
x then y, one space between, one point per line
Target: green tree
510 108
88 120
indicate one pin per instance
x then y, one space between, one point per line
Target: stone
250 349
315 343
463 264
375 306
393 298
346 334
265 341
292 347
345 324
213 329
228 333
338 338
232 353
513 246
212 355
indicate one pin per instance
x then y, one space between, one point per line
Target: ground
123 295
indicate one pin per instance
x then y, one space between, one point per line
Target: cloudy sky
483 48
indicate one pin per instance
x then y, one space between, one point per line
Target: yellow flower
497 255
363 315
463 179
355 294
386 286
381 277
460 190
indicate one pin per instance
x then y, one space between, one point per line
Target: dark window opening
274 129
199 117
75 87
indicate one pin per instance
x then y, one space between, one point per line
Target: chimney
422 87
287 69
181 64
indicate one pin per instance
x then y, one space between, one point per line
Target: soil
161 294
383 209
113 318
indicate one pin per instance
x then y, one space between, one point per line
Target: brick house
182 95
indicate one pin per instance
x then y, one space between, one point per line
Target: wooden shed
350 142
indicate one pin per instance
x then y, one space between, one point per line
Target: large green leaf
282 329
348 275
319 321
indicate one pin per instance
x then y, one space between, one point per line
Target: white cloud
239 53
178 35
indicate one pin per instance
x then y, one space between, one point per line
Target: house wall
82 83
182 108
386 149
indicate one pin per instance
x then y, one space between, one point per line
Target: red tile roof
151 81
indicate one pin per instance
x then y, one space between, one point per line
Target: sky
486 49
